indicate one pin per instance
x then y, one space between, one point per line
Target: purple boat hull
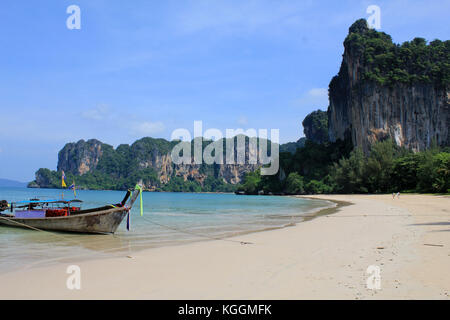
30 214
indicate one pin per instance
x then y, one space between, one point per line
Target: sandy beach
323 258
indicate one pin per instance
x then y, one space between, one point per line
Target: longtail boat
66 216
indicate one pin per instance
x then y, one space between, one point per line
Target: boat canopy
25 202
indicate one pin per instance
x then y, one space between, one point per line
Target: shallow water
169 218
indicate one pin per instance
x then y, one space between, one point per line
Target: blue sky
145 68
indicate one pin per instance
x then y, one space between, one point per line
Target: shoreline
325 211
322 258
136 248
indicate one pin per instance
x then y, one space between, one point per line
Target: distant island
386 130
12 183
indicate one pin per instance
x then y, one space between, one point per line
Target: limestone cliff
146 157
384 90
81 157
315 126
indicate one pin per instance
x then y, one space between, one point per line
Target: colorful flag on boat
138 188
74 189
63 183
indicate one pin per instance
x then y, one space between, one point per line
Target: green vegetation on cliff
307 170
329 169
95 180
293 146
102 181
387 63
315 126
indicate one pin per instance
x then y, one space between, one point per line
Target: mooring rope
109 251
194 233
37 229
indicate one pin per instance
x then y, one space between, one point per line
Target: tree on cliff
315 126
387 63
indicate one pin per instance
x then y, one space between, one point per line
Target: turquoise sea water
169 219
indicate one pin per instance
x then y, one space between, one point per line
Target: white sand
325 258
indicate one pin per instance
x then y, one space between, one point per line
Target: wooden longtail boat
97 220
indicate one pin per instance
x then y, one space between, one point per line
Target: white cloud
313 98
147 128
100 112
318 92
